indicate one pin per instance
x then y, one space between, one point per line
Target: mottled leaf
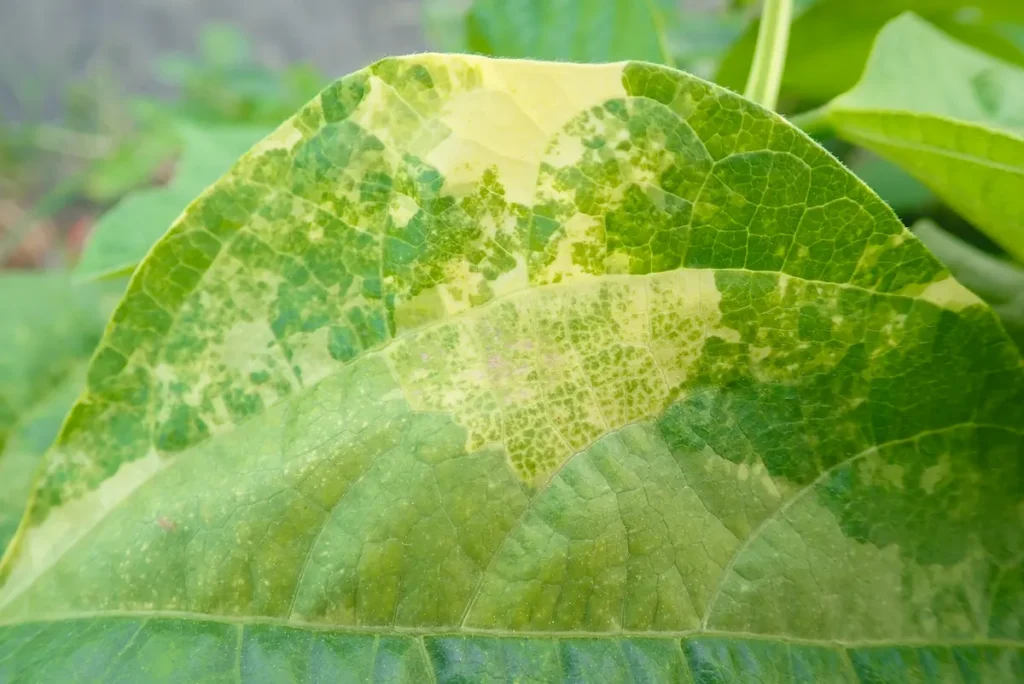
48 330
961 135
124 234
499 370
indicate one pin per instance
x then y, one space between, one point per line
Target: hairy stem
770 53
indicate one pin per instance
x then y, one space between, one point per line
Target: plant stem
770 53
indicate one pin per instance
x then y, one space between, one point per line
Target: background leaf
180 650
132 163
50 329
477 368
226 85
700 39
124 234
578 30
830 41
961 137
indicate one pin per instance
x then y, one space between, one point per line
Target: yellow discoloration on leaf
546 372
67 525
508 122
949 294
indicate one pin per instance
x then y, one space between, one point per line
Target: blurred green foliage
222 85
585 30
123 235
830 41
108 143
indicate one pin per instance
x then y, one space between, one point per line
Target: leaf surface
491 369
125 233
963 138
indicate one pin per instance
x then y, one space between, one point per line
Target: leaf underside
483 370
962 136
830 41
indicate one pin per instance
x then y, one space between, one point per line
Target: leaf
603 30
578 30
901 191
496 369
698 40
124 234
830 41
998 282
50 329
963 139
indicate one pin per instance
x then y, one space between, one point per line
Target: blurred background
86 87
120 111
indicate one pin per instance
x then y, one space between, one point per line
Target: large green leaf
830 40
49 330
497 370
578 30
124 234
961 136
